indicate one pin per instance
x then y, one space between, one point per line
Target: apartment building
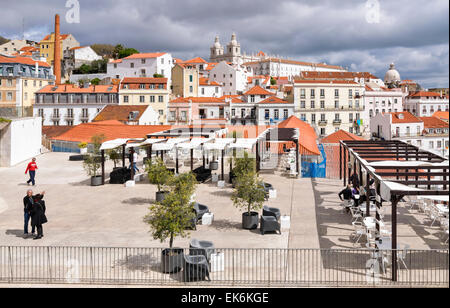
72 105
425 103
141 65
152 92
185 80
47 46
428 133
20 78
329 105
198 110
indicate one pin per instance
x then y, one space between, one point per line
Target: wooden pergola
398 169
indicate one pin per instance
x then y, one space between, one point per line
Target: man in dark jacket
38 214
354 179
27 204
346 192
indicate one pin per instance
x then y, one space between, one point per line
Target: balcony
68 117
323 123
337 122
55 117
84 117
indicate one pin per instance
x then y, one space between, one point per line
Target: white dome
392 75
217 43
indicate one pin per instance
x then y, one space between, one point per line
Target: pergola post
123 156
103 167
367 194
378 205
344 167
297 165
162 155
192 159
132 163
257 156
340 161
203 157
176 159
222 165
394 200
150 154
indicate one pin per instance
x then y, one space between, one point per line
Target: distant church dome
233 40
217 43
392 75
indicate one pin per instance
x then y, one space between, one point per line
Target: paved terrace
111 216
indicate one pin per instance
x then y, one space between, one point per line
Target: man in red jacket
31 168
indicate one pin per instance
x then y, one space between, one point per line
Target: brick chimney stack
57 52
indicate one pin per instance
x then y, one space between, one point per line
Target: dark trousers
26 221
39 230
32 174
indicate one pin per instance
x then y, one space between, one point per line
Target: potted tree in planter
83 147
171 217
115 156
248 194
92 163
159 175
243 165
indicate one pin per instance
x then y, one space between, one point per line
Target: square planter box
130 183
215 178
207 218
217 262
272 193
285 222
221 184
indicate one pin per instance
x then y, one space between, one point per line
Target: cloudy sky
414 34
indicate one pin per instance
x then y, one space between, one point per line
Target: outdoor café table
442 209
372 208
386 244
369 222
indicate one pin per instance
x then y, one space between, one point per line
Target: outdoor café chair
195 268
271 211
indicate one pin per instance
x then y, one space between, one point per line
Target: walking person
27 204
133 155
31 169
38 217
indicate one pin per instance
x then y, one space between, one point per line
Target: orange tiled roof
84 132
203 81
336 75
119 113
116 61
197 100
70 88
441 115
29 48
340 135
424 94
407 117
273 100
308 136
294 62
62 37
257 90
433 122
22 60
195 60
325 81
145 55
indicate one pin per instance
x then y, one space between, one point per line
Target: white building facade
141 65
71 105
329 105
425 104
233 78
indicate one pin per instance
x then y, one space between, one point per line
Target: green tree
92 163
95 81
85 69
248 192
158 174
273 81
117 49
127 52
172 216
115 156
244 165
155 75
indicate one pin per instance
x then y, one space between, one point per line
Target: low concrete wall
20 141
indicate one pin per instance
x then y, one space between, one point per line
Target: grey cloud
414 34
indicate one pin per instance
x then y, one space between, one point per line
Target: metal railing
222 266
